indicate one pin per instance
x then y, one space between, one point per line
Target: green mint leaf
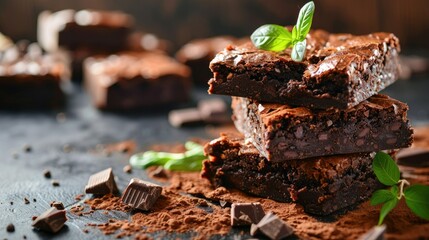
385 169
295 38
298 50
387 207
381 196
305 18
271 37
191 163
417 199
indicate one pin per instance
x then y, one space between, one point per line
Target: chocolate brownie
85 29
281 132
339 70
321 185
198 53
31 79
132 80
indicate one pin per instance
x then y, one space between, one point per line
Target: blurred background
182 20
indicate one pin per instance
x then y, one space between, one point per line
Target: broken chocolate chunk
272 227
51 221
58 205
185 117
10 228
375 233
243 214
141 194
102 183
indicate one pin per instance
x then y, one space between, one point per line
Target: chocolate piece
58 205
414 156
10 228
132 80
214 111
26 201
127 169
141 194
281 132
51 221
84 29
159 172
243 214
272 227
47 174
55 183
31 79
322 185
375 233
102 183
339 70
185 117
198 53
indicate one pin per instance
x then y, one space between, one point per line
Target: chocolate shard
243 214
141 194
51 221
414 156
102 183
272 227
214 111
58 205
375 233
185 117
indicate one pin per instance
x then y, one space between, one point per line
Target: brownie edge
321 185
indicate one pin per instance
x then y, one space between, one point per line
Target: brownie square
339 70
133 80
321 185
31 79
281 132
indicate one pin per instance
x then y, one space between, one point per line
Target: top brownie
339 70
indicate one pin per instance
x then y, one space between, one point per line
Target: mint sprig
191 160
387 172
277 38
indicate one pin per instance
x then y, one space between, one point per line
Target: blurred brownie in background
84 33
133 80
198 53
30 78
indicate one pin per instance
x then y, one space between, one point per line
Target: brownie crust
339 70
321 185
281 132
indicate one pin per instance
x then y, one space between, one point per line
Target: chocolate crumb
10 228
79 197
26 201
33 218
55 183
159 172
11 203
24 237
34 200
127 169
27 148
47 174
58 205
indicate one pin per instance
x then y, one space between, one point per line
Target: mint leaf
295 38
298 50
381 196
387 207
305 18
271 37
417 199
385 169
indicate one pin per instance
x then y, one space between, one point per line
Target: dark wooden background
182 20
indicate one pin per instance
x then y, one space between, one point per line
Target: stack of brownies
310 128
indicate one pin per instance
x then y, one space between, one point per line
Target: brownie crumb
34 200
10 228
24 237
47 174
27 148
26 201
127 169
11 203
33 218
55 183
57 204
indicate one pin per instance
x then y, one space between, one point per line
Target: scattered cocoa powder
107 202
127 146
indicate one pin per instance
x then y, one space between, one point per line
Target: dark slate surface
21 172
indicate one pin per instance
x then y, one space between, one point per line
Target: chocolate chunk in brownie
198 53
30 78
281 132
339 70
321 185
133 80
